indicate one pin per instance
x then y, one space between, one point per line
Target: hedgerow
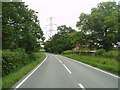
14 60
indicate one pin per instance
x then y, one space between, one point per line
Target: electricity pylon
50 31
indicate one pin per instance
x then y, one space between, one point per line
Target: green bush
68 52
118 58
99 52
110 54
14 60
82 52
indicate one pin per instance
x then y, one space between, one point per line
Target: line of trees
99 29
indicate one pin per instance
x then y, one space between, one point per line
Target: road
61 72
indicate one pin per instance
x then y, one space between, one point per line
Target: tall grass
107 64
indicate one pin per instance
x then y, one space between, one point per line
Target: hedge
14 60
100 52
108 54
81 52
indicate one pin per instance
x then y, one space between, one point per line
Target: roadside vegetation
96 40
112 54
13 60
22 38
10 79
102 60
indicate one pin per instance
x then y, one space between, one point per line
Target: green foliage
110 54
21 38
9 80
21 27
101 25
60 41
80 52
14 60
64 29
77 38
68 52
99 52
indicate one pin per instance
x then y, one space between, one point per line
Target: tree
60 41
77 38
21 27
64 29
101 26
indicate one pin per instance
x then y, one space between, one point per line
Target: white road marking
95 68
30 74
67 69
81 86
59 60
64 65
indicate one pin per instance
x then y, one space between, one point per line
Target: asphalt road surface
61 72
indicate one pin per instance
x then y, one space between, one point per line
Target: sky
64 12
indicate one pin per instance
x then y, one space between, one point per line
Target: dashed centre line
81 86
59 60
64 66
67 69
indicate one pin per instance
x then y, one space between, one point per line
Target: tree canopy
60 41
101 25
21 28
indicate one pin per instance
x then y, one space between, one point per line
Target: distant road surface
61 72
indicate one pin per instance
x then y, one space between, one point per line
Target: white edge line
81 86
95 68
67 69
31 73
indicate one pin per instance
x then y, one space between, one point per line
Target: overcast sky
64 11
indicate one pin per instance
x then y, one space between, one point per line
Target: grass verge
9 80
107 64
